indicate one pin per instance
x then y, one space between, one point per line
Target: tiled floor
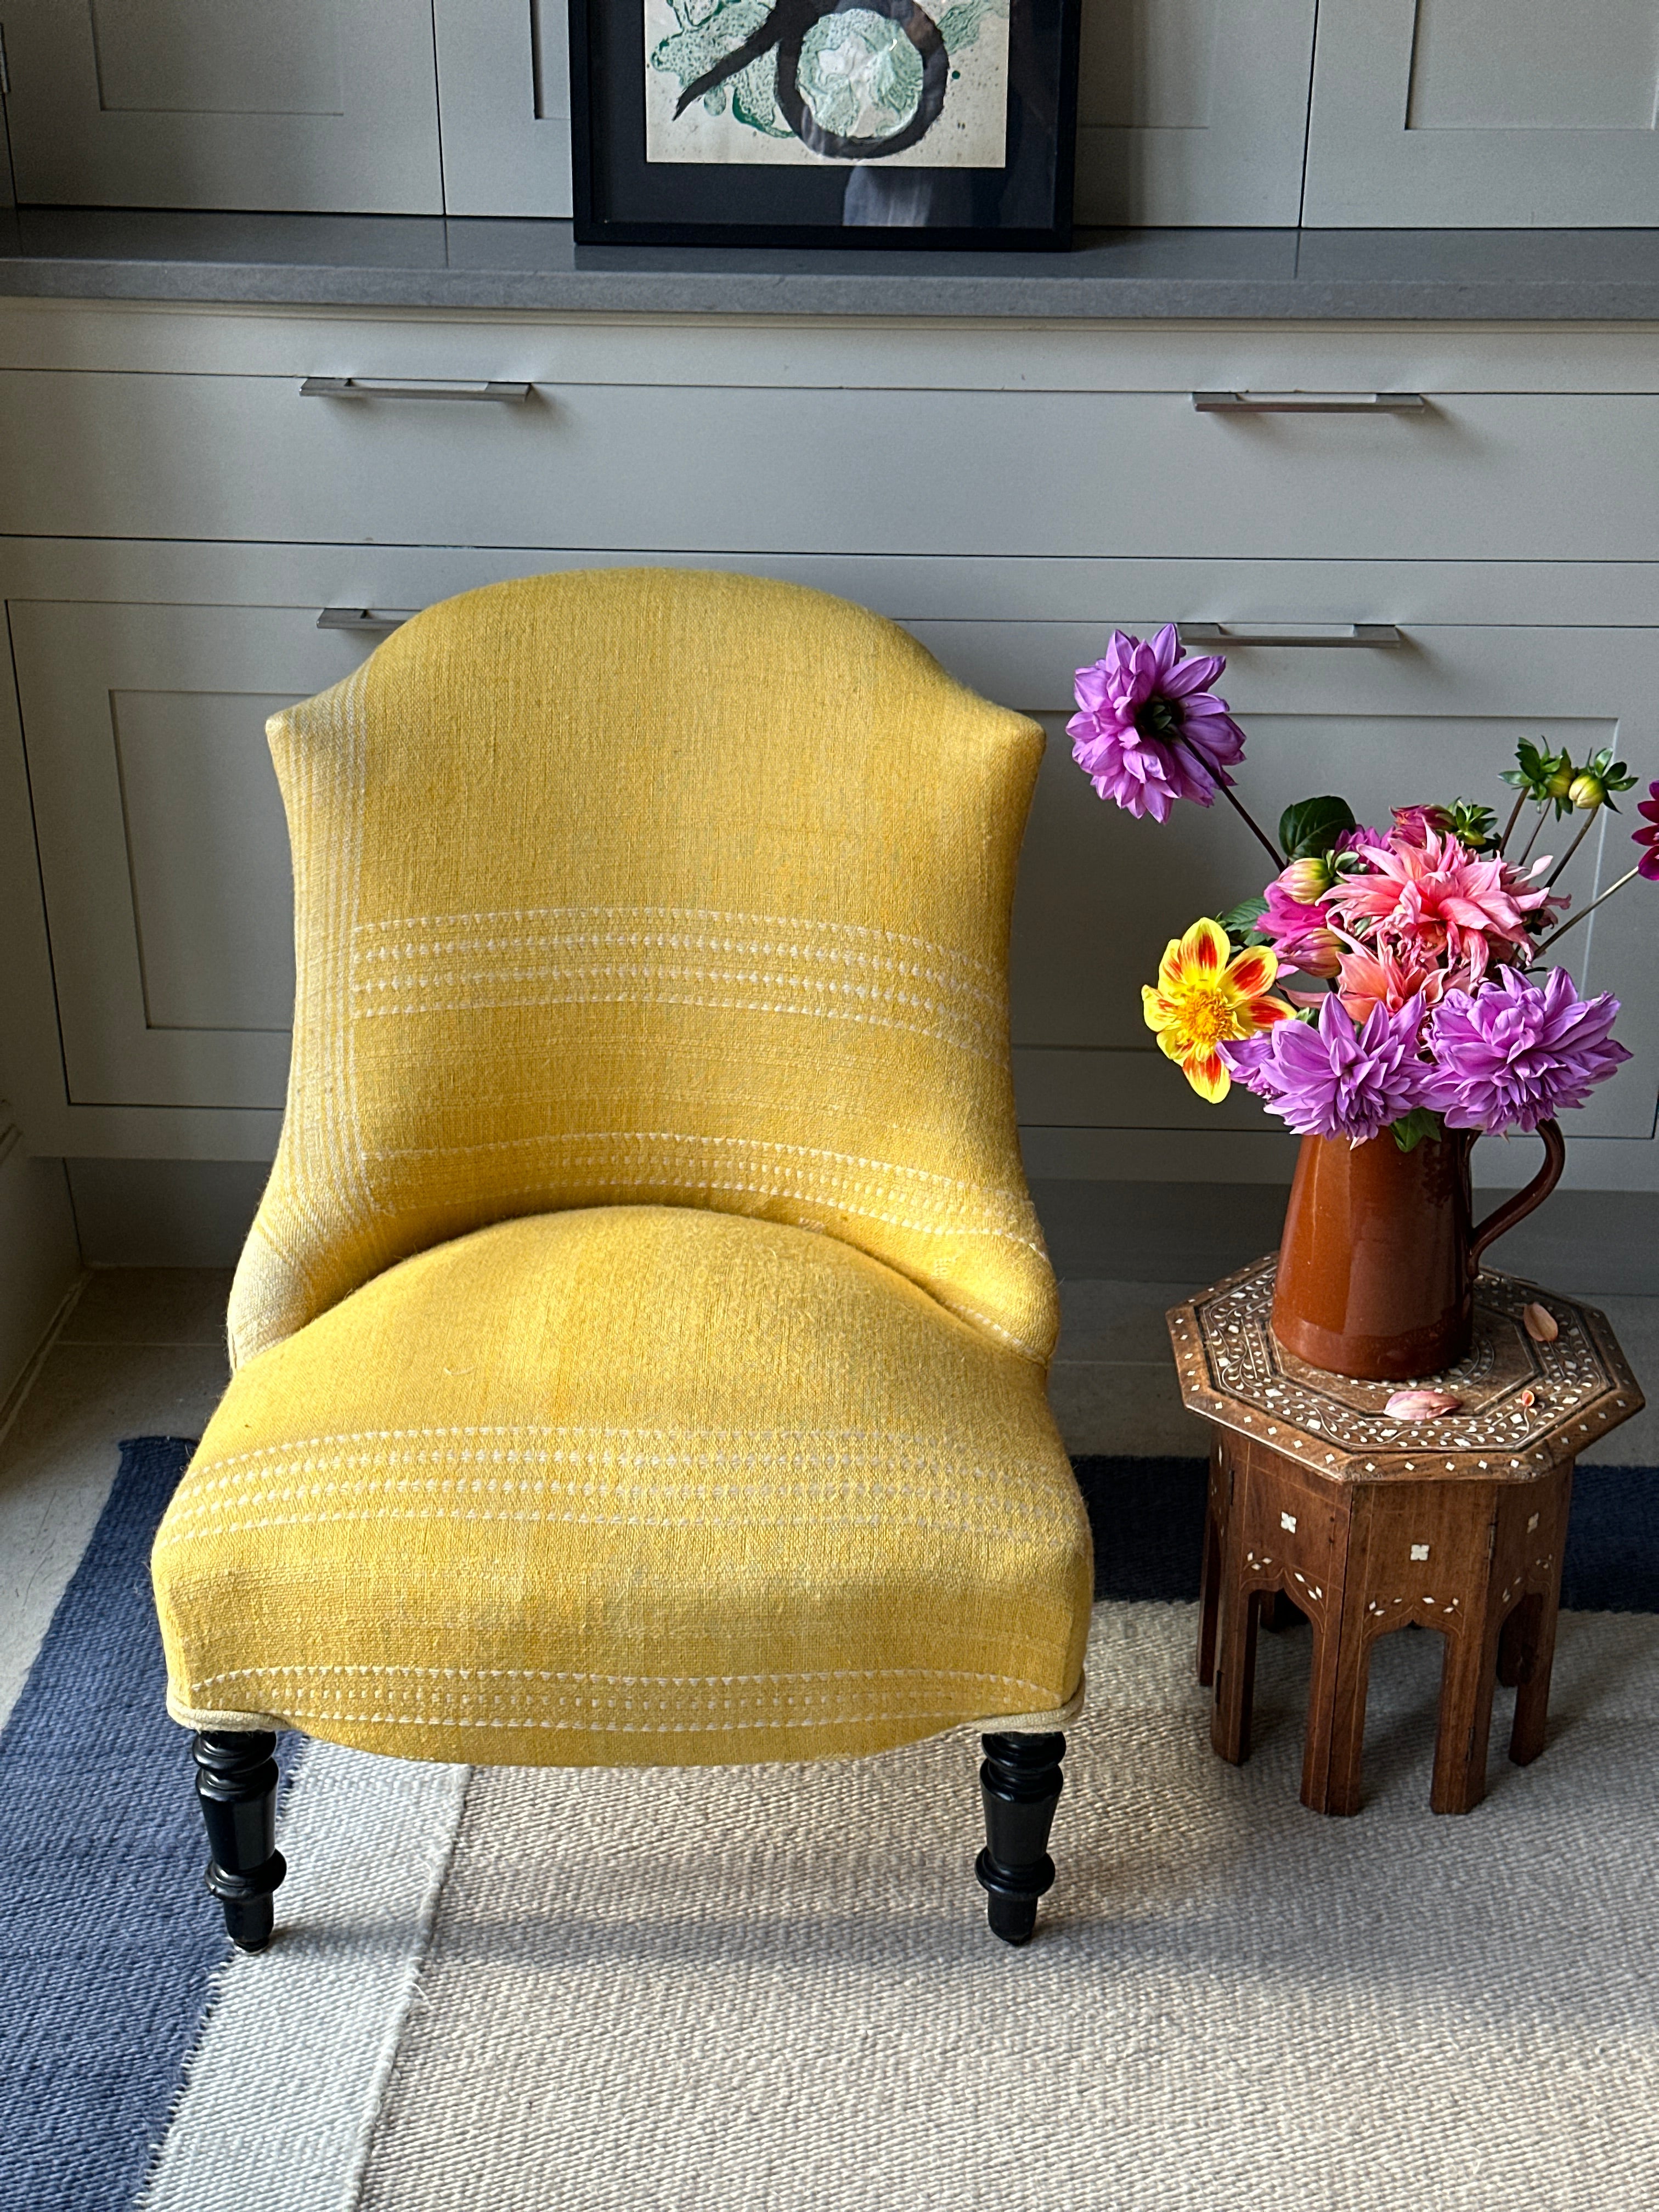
142 1354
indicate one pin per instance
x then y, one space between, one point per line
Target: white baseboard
164 1214
40 1266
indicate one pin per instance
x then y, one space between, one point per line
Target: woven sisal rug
772 1987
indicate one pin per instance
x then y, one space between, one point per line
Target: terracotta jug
1377 1265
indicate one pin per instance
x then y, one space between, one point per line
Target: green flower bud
1308 880
1560 785
1587 792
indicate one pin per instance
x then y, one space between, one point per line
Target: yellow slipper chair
640 1352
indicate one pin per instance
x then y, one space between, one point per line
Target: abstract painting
836 80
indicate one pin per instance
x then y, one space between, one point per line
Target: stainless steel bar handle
1297 402
357 387
364 617
1224 634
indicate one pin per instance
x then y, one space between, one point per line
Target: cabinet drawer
813 470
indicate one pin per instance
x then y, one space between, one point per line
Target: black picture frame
623 199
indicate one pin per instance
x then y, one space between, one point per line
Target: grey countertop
421 261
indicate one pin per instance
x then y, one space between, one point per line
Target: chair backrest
659 887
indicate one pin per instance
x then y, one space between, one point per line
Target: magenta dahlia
1647 808
1516 1052
1148 731
1299 930
1337 1078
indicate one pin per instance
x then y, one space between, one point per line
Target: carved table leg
1467 1680
1209 1601
236 1782
1536 1659
1020 1783
1235 1676
1335 1740
1210 1572
1535 1618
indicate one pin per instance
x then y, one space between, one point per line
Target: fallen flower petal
1541 1323
1420 1405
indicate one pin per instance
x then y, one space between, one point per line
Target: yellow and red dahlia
1208 995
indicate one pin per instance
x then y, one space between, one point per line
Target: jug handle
1555 1158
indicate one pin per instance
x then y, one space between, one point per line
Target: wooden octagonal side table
1364 1523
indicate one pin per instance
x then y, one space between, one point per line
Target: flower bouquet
1385 994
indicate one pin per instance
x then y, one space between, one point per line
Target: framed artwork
823 122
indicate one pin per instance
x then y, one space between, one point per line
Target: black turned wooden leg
1020 1783
236 1782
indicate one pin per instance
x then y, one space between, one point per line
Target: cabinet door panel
504 89
1193 111
162 840
1507 114
1100 893
327 105
704 468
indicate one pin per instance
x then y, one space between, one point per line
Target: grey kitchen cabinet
818 467
504 91
177 513
163 852
1370 113
1476 113
324 104
1192 112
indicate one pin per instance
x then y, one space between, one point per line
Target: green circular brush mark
856 61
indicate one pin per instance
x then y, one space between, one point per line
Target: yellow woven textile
630 1485
645 922
651 885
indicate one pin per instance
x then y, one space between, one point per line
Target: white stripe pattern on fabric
282 2090
653 956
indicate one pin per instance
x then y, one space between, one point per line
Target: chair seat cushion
628 1486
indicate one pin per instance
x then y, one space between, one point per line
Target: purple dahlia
1147 731
1336 1078
1516 1052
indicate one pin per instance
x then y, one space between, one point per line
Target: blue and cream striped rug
772 1987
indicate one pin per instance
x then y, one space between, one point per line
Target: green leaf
1472 825
1239 921
1312 826
1417 1127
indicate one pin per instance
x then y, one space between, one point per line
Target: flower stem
1542 811
1573 922
1254 827
1238 805
1588 821
1514 816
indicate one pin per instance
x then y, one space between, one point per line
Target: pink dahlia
1516 1052
1647 808
1148 732
1415 825
1386 978
1439 900
1300 932
1338 1079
